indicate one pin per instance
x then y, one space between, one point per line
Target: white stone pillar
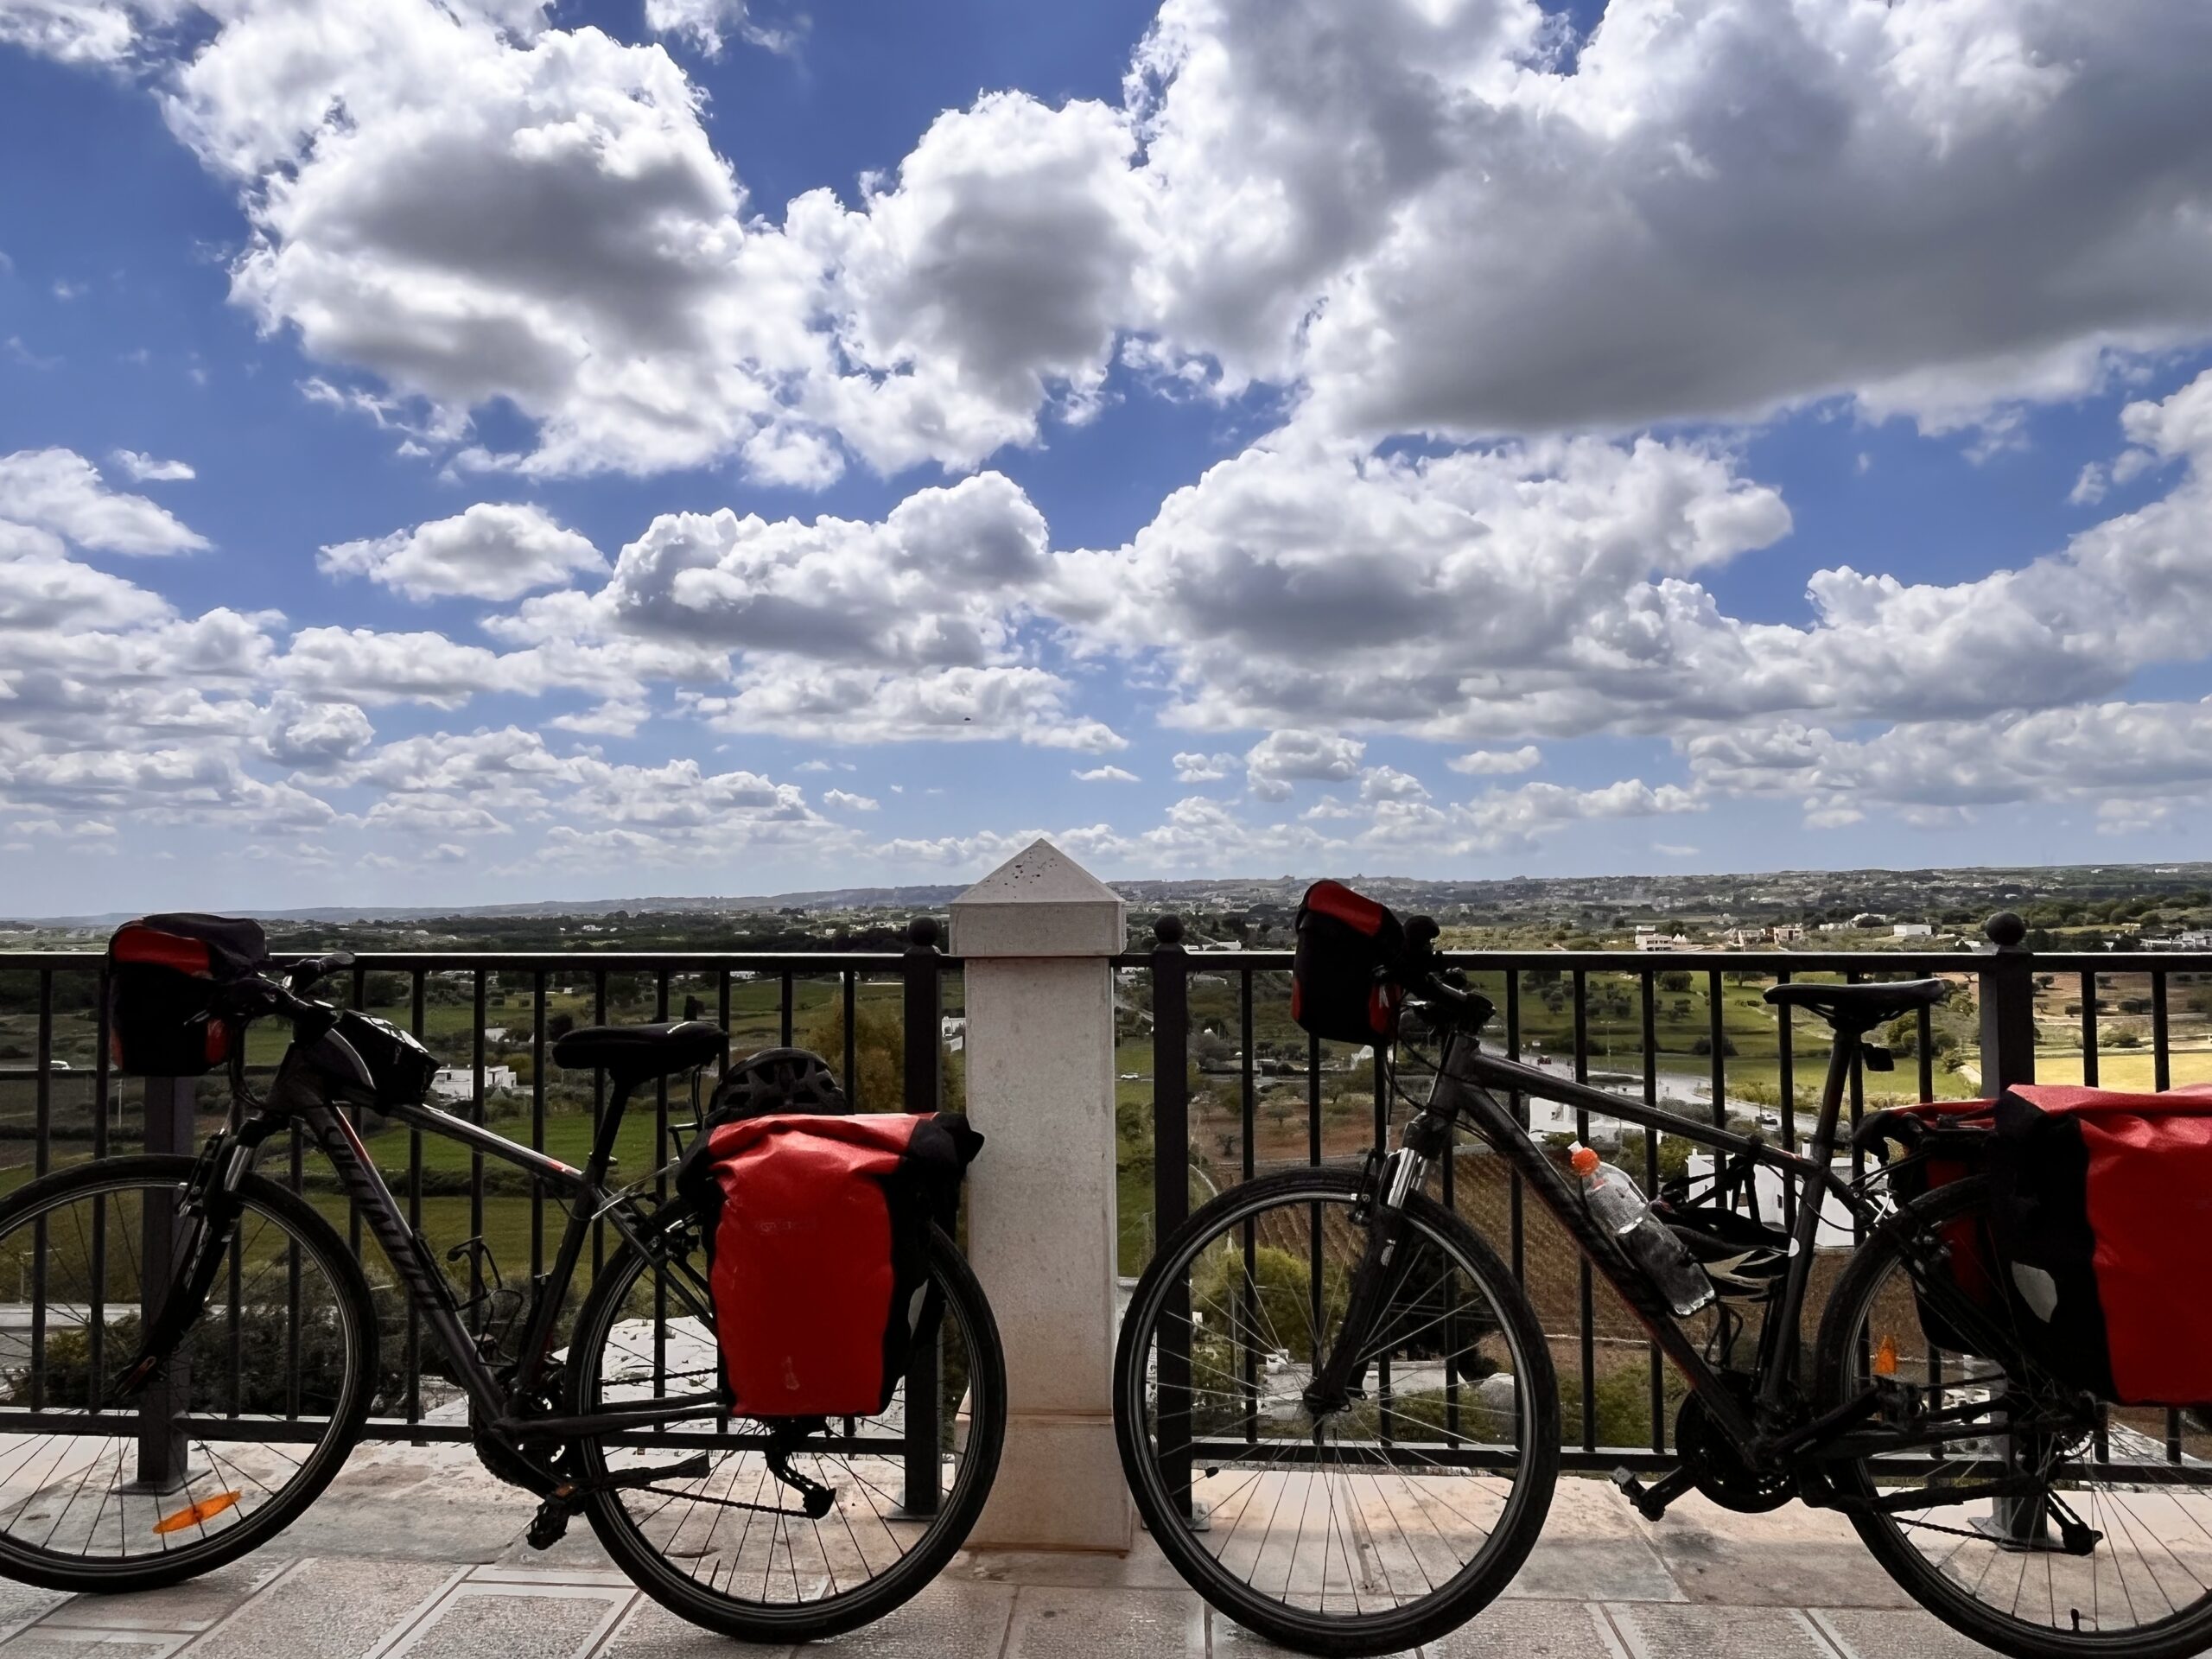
1034 937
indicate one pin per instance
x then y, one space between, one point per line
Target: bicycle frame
295 1095
1466 1089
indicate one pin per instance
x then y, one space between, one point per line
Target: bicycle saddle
1860 1006
633 1054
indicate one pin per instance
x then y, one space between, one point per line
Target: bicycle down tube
427 1286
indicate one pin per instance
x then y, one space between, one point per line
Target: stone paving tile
1530 1630
21 1602
1651 1630
513 1622
334 1610
192 1606
42 1642
1862 1633
1625 1569
1077 1624
1232 1641
1143 1568
651 1631
948 1619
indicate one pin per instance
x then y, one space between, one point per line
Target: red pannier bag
2102 1217
1338 990
816 1248
163 976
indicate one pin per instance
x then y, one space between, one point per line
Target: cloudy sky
453 452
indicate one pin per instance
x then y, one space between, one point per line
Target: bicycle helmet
779 1080
1744 1258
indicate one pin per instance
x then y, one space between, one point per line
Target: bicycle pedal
1651 1501
549 1525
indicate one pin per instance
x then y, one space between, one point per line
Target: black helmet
779 1080
1745 1259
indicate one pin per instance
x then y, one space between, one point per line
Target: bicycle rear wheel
1371 1529
722 1542
260 1402
1999 1569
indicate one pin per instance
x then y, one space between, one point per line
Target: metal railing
1599 1015
879 1014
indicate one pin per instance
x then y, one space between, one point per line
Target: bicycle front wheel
708 1529
2095 1551
241 1429
1368 1529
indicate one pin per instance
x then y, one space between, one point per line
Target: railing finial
2005 930
923 933
1168 929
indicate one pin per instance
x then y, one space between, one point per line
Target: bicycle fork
1383 1266
210 1200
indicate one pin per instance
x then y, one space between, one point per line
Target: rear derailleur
786 1437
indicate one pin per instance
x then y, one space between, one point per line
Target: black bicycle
1337 1411
204 1350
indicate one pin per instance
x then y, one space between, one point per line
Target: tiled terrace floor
415 1552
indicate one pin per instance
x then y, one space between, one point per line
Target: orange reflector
1885 1358
205 1509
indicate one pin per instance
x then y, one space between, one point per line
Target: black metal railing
491 1018
1226 1060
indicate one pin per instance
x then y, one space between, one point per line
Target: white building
1912 930
459 1082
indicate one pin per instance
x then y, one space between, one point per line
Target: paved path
414 1553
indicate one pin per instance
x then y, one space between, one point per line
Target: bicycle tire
967 1309
307 1228
1862 1281
1479 1581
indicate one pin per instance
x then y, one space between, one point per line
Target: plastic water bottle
1618 1205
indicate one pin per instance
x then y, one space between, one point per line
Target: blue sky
478 452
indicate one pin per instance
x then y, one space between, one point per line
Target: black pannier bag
164 978
1338 990
816 1223
1929 1146
400 1068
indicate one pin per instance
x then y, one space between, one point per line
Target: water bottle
1618 1205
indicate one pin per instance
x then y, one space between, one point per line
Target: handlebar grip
302 974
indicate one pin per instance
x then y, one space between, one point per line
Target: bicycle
203 1353
1337 1409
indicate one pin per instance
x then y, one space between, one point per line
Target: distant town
2065 906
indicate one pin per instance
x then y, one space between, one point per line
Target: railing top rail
2123 962
1953 962
800 961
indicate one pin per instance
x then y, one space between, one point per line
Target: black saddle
635 1054
1860 1007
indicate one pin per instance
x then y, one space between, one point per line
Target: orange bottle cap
1584 1160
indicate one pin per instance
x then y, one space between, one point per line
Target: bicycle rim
1999 1569
690 1540
263 1398
1373 1528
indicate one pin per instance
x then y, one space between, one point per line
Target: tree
1674 979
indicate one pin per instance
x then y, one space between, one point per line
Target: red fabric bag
2103 1221
817 1241
1346 941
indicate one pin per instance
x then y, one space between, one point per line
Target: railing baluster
1516 1221
538 993
1649 1001
41 1161
849 989
1248 1123
477 1310
1586 1301
2162 1075
1170 1191
921 1014
1784 1031
2090 1029
104 1088
416 989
